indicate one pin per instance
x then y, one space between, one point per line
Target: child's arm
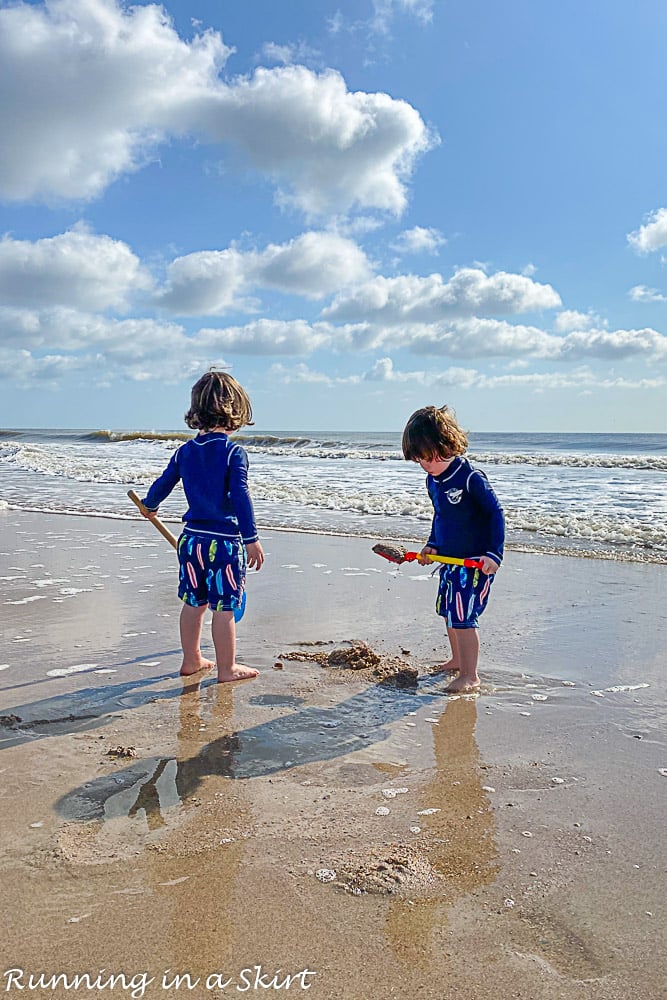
430 545
483 495
240 494
162 486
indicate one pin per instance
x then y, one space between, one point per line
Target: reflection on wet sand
200 921
132 807
458 837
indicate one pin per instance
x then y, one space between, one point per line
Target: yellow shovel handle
455 561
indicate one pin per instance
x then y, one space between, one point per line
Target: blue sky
359 207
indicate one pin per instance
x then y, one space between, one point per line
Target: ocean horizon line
254 429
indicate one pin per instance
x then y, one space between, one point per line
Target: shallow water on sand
511 816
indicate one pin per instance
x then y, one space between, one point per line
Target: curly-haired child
468 522
219 537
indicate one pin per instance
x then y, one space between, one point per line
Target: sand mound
358 655
398 869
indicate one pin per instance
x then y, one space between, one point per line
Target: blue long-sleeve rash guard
214 471
468 521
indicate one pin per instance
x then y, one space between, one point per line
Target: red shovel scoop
397 554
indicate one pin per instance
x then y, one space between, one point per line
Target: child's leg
467 645
191 622
453 664
223 628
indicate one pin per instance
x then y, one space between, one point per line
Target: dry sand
518 851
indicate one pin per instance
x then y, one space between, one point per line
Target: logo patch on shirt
454 496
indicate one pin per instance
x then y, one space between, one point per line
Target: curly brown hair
217 400
433 432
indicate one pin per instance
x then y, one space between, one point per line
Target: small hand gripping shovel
162 528
397 554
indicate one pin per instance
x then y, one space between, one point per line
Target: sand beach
318 831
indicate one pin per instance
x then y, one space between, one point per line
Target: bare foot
237 673
446 668
187 669
463 685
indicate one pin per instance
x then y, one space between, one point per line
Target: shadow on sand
307 735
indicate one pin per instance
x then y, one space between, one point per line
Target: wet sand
518 847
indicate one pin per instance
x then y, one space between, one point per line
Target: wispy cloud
301 373
266 338
640 293
293 52
385 11
384 371
382 17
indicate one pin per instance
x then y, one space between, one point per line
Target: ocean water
602 495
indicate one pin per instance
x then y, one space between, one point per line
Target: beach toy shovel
164 530
397 554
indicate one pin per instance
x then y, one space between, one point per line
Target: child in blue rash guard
219 536
468 522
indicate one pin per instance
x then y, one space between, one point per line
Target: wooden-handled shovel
162 528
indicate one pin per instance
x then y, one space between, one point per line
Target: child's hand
255 555
489 566
150 514
427 550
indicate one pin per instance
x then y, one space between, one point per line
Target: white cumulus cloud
615 344
479 338
76 268
206 283
313 264
54 342
470 292
571 319
329 149
652 235
211 282
419 239
22 367
89 89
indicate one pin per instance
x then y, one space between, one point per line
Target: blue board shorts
462 595
212 571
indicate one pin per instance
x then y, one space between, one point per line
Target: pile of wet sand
358 656
393 870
